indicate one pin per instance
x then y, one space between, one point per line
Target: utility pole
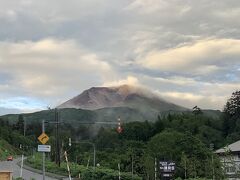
21 162
43 155
24 126
132 165
119 171
57 155
155 169
213 170
94 156
185 169
68 167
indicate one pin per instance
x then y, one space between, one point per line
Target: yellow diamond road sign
43 138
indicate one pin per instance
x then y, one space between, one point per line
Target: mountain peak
119 96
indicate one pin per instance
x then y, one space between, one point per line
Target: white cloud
202 57
231 13
130 80
189 92
51 68
190 100
183 81
148 6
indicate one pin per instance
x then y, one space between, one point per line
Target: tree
107 138
171 145
20 124
197 110
139 131
83 132
158 125
232 106
231 117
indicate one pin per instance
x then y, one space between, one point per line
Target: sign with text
44 148
167 168
43 138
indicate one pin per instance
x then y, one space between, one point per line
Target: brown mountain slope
121 96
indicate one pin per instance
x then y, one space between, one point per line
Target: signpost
43 138
167 169
44 148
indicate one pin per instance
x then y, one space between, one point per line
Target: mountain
106 104
126 96
8 111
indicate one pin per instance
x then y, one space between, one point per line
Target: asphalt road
27 175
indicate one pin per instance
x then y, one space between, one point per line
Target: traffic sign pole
43 155
21 166
119 171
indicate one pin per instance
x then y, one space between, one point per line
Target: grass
6 150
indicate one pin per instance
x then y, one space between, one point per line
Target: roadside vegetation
10 139
86 173
6 150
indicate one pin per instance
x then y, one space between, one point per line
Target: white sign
44 148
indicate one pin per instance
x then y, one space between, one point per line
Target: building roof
234 147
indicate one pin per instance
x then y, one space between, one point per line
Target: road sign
167 168
43 138
44 148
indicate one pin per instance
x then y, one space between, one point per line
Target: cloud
231 13
190 92
21 103
180 81
50 68
130 80
190 100
146 7
52 50
201 57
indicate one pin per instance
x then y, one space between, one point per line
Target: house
6 175
230 158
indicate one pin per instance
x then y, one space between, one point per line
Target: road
27 175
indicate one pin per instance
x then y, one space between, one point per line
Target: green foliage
232 106
6 149
206 129
158 125
20 124
107 138
19 178
86 173
138 131
185 150
9 135
231 118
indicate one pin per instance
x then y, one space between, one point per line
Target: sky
187 51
